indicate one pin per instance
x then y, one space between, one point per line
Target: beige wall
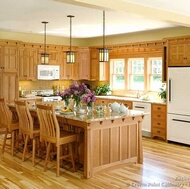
115 39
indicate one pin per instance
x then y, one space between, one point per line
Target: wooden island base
110 142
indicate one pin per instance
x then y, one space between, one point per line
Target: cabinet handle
158 131
158 115
158 108
158 123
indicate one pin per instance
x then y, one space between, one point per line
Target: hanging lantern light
70 55
44 55
103 52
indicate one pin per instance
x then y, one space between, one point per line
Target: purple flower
78 92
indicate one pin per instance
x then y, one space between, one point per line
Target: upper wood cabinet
68 71
98 70
179 52
28 59
83 63
8 58
54 54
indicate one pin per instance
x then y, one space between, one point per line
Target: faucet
138 94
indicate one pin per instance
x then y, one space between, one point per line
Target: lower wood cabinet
159 129
9 86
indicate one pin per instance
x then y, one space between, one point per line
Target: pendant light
45 56
70 55
103 52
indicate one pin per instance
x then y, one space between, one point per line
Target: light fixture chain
103 29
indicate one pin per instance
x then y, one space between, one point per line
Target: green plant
162 93
102 89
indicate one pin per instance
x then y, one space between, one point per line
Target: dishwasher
146 123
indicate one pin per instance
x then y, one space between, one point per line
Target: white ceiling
122 16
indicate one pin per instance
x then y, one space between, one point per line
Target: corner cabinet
159 129
98 70
179 52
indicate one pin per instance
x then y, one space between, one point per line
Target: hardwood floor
165 166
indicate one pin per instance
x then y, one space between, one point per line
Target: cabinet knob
158 131
158 123
158 115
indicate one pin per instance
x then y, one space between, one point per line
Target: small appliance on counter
47 95
24 93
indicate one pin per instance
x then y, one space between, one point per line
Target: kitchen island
108 140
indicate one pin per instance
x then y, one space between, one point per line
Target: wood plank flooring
166 166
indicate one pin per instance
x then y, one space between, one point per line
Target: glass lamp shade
103 55
70 56
45 58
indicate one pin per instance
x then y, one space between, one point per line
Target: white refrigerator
178 100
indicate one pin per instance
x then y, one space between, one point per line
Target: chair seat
67 137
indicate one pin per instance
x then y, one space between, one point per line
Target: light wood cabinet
8 58
159 129
68 71
179 51
53 52
27 63
98 70
102 101
9 86
84 63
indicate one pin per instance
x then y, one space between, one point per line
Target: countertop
112 97
90 117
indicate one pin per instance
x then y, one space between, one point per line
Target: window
118 73
155 73
136 74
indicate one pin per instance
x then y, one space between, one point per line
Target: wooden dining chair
27 128
10 125
51 133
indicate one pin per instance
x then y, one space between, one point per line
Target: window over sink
133 74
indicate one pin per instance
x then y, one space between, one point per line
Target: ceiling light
103 52
70 55
44 56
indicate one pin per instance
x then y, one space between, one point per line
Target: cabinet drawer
159 108
159 124
158 132
159 116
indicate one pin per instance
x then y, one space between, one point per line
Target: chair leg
33 151
47 155
4 141
58 160
25 146
12 142
72 158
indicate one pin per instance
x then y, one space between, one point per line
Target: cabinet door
8 59
9 86
176 54
66 69
84 63
27 64
98 70
53 56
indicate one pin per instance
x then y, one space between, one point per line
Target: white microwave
48 72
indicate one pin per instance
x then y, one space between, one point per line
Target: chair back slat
25 118
49 127
5 114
